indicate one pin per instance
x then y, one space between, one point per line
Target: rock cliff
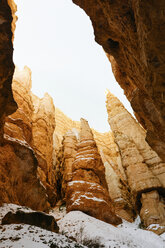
132 35
46 157
87 189
19 180
7 27
137 159
28 151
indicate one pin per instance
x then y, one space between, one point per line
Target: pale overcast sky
55 39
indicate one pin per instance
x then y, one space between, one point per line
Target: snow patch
88 230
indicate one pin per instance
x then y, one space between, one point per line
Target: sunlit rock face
7 26
132 35
115 175
31 128
19 180
43 125
69 154
87 190
144 169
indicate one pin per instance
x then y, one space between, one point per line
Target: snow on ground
21 235
59 211
27 236
95 233
84 229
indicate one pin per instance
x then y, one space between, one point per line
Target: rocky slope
132 35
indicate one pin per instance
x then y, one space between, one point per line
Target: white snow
84 182
155 227
88 230
78 158
27 236
83 228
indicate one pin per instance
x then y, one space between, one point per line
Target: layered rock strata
115 176
137 156
43 125
19 181
69 154
87 191
29 144
132 35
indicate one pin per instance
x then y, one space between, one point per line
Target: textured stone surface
69 154
39 219
143 167
132 35
43 125
153 212
18 179
115 175
7 26
87 191
123 123
109 151
30 129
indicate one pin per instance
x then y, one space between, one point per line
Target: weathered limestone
30 129
152 212
18 179
132 35
144 169
115 175
121 121
18 161
69 154
87 191
108 149
43 125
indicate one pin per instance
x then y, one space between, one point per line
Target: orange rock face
132 35
87 191
144 169
30 129
18 161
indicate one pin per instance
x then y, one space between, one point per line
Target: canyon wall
144 169
45 156
7 27
48 157
132 35
27 154
87 189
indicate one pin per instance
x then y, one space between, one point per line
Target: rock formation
137 156
43 125
29 145
69 154
132 35
39 219
19 180
7 24
87 191
115 175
